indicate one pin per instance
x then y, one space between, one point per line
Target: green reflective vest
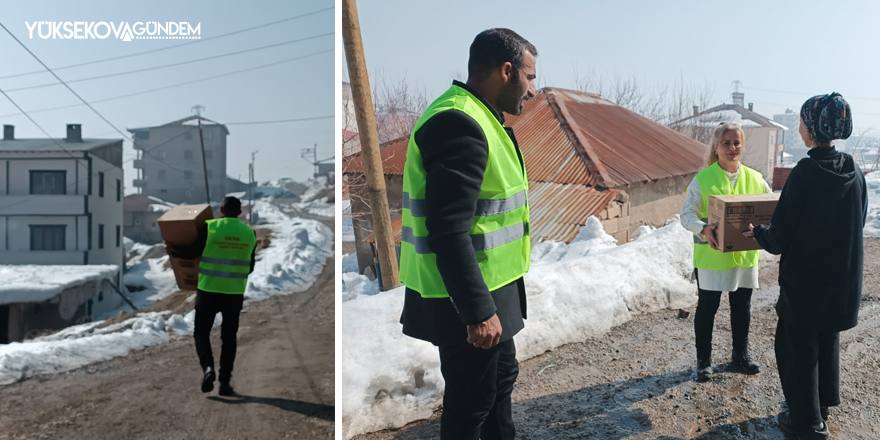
500 228
226 260
714 181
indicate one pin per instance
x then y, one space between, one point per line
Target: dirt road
284 373
638 382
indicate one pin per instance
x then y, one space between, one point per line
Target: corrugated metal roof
393 158
557 211
576 137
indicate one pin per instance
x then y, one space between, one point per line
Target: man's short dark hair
231 205
494 47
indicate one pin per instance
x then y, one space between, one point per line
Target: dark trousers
809 369
740 319
208 304
479 382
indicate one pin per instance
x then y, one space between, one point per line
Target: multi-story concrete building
169 161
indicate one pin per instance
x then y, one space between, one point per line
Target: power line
280 121
164 66
176 85
174 46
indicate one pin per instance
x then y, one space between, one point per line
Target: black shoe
825 411
208 380
704 370
743 362
784 420
226 389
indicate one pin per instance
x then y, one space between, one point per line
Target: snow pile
575 291
872 225
315 186
294 259
270 192
127 244
19 361
318 207
35 283
158 208
350 263
150 280
354 285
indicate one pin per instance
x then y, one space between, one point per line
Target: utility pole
366 121
198 109
251 182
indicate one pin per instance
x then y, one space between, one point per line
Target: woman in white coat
716 271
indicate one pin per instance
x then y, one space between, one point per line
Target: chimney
696 110
751 106
739 99
74 133
8 132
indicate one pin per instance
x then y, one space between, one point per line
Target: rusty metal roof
576 137
393 158
557 211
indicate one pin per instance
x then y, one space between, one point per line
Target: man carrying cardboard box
227 248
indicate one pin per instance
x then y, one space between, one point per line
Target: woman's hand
709 232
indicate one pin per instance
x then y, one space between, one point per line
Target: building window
187 154
210 174
161 174
155 225
188 175
100 236
188 135
209 154
118 190
100 184
162 154
118 234
163 191
143 135
48 182
47 238
209 134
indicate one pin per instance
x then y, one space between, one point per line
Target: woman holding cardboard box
716 271
817 227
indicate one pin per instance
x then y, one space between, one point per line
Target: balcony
138 163
139 183
43 205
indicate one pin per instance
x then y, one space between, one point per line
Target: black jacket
817 227
195 250
455 153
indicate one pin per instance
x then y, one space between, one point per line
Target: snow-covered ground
295 257
575 291
872 226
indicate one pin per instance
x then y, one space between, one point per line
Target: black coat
817 228
455 153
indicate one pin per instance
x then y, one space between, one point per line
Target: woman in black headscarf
817 228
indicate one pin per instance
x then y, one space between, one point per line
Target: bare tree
667 103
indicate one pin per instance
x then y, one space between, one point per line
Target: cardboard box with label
180 226
733 213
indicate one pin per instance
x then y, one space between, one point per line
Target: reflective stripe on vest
714 181
226 260
500 228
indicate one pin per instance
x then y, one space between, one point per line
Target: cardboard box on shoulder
180 226
733 213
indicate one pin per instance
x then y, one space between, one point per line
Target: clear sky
298 89
774 47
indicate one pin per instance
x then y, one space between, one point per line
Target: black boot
743 362
208 380
784 420
226 389
704 370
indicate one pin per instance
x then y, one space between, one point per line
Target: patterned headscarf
828 117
